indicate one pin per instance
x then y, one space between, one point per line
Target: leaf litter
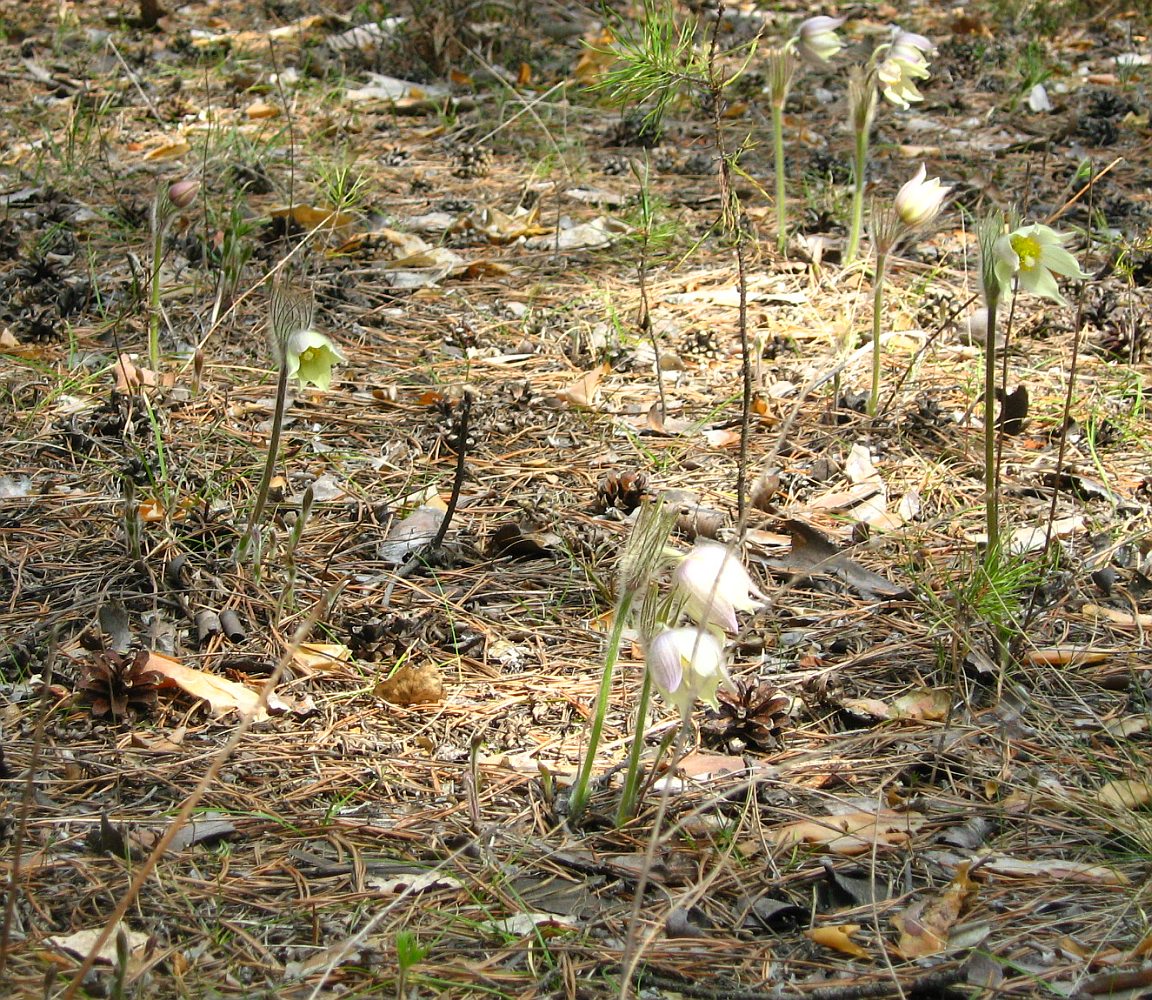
979 791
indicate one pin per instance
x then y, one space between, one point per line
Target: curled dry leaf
1125 793
222 695
582 393
924 926
412 685
837 938
849 833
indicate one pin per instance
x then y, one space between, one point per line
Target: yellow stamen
1027 249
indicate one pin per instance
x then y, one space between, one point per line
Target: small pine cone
755 715
623 490
471 161
119 685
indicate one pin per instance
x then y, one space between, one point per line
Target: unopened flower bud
183 193
919 201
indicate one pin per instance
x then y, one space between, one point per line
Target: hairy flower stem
269 465
991 470
158 231
781 204
859 164
877 318
579 796
627 807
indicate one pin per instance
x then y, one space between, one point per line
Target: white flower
687 664
1032 255
310 356
817 40
715 585
904 62
918 202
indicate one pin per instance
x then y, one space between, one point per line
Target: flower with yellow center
1033 255
904 62
310 357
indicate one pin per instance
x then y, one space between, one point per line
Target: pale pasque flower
1033 255
183 193
310 357
714 585
816 38
686 665
905 61
919 201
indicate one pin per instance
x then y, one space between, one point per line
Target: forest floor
932 780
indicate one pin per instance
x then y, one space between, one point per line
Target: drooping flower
183 193
919 201
905 61
714 585
1033 255
816 38
310 356
686 665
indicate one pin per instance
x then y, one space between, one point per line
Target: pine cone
623 490
755 715
119 684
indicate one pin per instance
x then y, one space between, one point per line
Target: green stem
627 807
579 797
991 473
781 204
859 163
877 317
154 302
269 465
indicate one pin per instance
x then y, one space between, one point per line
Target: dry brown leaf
80 944
222 695
924 704
849 833
924 926
1065 655
1125 793
169 150
722 437
872 709
321 655
709 765
313 217
130 375
1125 619
412 685
584 390
258 110
1047 868
837 938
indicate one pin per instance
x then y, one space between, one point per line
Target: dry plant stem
732 216
269 464
26 797
181 817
